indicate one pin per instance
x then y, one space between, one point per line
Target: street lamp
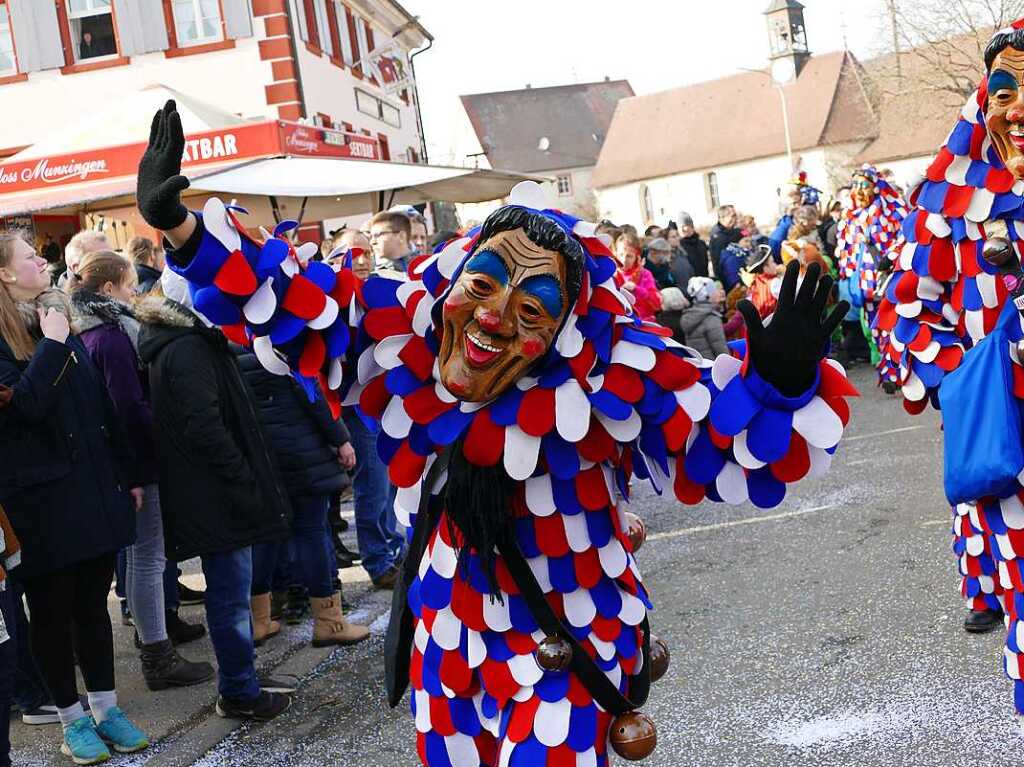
781 88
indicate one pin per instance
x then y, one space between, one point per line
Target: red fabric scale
796 463
561 756
485 441
624 382
468 605
676 430
687 491
313 355
840 407
915 408
406 467
999 180
382 323
921 340
520 724
536 414
505 581
978 136
413 302
958 200
498 681
423 405
236 334
374 397
949 358
550 533
577 694
835 384
418 358
344 285
719 440
937 170
591 489
582 364
236 277
441 715
941 262
455 672
519 643
673 373
606 629
304 298
603 299
598 445
587 566
970 253
416 669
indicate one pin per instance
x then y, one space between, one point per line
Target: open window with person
91 23
197 22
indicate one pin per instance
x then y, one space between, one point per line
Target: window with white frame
8 63
323 27
711 190
375 107
91 25
343 35
564 184
197 22
364 50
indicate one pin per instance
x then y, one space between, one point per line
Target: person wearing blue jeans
228 580
373 496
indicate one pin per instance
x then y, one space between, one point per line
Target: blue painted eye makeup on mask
1001 80
490 263
546 290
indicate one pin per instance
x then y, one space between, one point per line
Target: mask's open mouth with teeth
480 350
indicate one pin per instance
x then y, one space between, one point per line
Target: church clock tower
787 40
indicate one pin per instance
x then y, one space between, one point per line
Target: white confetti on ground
824 732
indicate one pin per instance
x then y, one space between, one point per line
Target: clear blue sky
490 45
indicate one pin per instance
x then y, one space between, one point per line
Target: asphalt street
825 632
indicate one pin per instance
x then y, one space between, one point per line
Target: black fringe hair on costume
478 504
1000 42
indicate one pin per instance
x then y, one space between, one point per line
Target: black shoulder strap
592 677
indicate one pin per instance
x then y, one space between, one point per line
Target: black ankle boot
180 632
983 621
163 668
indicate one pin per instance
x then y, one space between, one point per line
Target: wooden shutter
36 35
237 19
141 26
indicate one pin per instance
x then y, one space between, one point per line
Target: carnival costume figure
869 239
954 334
517 394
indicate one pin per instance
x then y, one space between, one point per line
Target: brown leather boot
329 625
263 627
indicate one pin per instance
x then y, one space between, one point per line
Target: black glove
787 352
160 182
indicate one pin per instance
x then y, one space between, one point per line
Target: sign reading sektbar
242 142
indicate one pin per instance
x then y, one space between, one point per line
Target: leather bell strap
593 678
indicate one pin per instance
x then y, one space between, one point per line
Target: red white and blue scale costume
942 300
862 233
614 398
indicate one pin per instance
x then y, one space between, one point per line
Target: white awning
335 187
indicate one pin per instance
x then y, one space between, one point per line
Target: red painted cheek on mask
533 347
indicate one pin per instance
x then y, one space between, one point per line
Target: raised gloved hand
786 353
160 182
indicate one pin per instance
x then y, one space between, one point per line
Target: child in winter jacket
702 322
635 278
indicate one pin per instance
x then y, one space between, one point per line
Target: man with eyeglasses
389 237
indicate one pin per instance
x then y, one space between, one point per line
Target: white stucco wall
232 79
751 186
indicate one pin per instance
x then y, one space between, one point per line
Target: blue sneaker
83 744
120 733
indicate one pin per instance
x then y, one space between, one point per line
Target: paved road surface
826 632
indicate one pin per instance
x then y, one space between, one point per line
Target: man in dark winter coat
723 234
218 487
313 450
692 246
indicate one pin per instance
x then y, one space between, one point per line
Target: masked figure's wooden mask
1004 112
863 191
502 315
